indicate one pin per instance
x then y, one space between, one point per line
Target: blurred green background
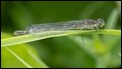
100 50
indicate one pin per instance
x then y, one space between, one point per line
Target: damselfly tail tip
19 32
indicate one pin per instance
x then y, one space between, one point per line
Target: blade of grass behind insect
112 19
111 23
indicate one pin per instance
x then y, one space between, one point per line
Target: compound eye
101 22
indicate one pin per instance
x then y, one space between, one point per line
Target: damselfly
61 26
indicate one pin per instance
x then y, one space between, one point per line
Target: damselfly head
101 22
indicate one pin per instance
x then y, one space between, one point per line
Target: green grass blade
49 34
112 19
120 54
19 58
37 59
